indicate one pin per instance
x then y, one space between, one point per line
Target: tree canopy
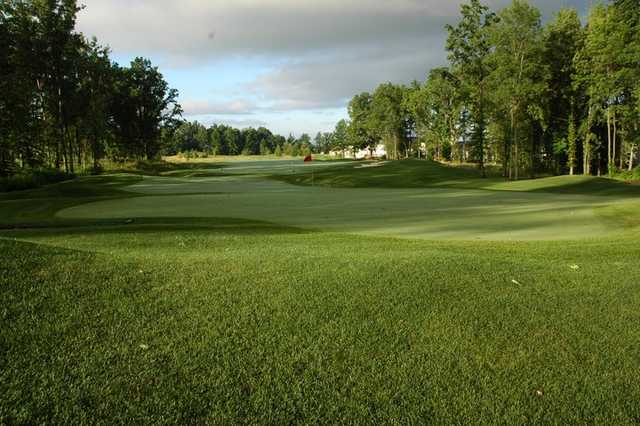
556 98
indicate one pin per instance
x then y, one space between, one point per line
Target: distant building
361 154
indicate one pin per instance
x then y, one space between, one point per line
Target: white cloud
320 52
257 27
214 29
239 123
204 107
330 83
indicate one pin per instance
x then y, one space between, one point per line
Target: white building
378 152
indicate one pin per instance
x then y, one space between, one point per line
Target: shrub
28 179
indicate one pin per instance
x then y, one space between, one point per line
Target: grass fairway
223 294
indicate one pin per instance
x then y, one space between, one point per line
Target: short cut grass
219 320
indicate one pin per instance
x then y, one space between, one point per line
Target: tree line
65 104
193 138
562 97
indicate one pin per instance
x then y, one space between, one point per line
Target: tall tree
340 137
388 117
437 108
519 79
627 23
97 82
362 133
233 141
599 70
563 38
469 47
146 104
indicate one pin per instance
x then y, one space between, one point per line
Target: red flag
308 159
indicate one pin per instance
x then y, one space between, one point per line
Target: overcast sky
290 65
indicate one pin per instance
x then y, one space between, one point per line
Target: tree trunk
615 141
516 162
516 156
621 153
505 161
78 147
586 148
511 148
395 147
609 140
480 124
66 140
58 159
532 156
631 154
65 154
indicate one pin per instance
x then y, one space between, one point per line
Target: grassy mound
37 207
429 174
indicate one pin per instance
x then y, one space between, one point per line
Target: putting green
425 213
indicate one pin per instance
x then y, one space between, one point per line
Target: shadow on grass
393 174
429 174
128 174
82 187
160 168
148 224
591 186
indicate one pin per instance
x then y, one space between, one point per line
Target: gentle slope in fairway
428 174
212 294
446 208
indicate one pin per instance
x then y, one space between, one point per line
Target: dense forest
559 98
563 97
194 139
65 104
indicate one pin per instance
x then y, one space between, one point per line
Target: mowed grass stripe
410 213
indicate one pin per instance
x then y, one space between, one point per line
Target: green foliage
563 38
608 69
191 138
390 117
469 48
437 108
519 81
64 104
340 137
28 179
513 91
362 130
323 142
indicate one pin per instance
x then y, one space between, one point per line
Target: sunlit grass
223 299
426 174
